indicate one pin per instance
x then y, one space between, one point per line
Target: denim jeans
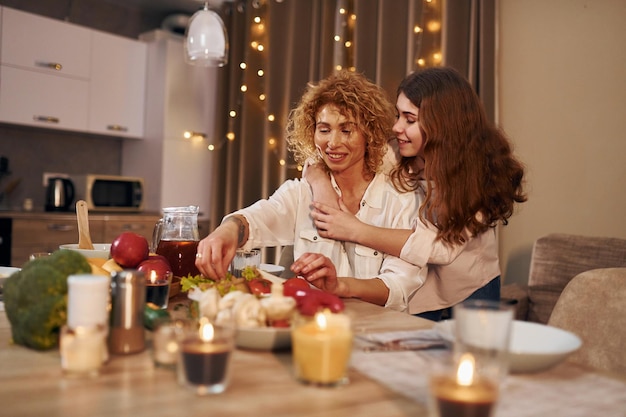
491 291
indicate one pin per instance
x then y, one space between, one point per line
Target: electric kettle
59 194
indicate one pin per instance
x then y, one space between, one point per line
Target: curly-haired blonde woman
343 122
463 169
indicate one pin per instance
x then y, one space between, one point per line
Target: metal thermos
128 299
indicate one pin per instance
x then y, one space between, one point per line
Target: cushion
557 258
593 306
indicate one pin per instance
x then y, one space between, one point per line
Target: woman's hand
216 251
318 270
335 224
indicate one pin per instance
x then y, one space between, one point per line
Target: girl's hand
338 224
318 270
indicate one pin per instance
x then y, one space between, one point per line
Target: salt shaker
128 299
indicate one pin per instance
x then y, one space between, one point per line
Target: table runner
566 390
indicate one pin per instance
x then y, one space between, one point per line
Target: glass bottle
176 238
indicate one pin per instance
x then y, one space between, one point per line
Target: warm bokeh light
434 26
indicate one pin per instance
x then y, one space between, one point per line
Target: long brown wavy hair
473 179
358 99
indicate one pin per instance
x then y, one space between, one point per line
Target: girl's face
340 144
407 128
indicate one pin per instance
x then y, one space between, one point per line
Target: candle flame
206 331
321 320
465 371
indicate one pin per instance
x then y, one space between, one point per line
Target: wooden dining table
262 383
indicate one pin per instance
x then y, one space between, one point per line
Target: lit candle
82 349
321 349
205 356
158 288
464 394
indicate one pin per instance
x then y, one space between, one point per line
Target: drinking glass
469 384
244 258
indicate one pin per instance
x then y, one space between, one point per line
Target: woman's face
407 128
338 141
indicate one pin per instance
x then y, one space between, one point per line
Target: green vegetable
35 298
152 314
223 286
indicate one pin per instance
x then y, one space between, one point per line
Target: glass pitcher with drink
176 237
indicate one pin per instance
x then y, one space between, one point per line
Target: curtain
469 45
278 46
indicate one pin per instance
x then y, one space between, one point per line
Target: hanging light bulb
206 39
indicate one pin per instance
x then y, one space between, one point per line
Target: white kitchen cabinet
45 45
117 86
45 71
179 98
43 100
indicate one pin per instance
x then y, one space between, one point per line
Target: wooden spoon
84 239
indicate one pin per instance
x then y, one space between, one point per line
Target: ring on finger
198 255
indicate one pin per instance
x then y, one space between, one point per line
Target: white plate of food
534 347
263 338
272 269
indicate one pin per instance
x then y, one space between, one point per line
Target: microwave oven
113 193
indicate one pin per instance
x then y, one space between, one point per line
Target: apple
157 268
154 256
129 249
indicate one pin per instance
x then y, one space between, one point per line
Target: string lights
427 52
427 33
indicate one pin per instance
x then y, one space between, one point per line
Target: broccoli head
35 298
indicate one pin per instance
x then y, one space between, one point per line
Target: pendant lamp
206 39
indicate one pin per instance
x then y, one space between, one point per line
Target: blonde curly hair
358 99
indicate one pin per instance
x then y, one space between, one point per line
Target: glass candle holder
321 347
83 350
158 288
205 351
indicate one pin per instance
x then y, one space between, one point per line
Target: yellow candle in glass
321 348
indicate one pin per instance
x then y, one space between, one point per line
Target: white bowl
537 347
100 250
5 272
534 347
272 269
263 338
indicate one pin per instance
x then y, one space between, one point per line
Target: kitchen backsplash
31 152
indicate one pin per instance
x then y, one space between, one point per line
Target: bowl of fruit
100 250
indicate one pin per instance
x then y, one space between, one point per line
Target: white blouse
284 219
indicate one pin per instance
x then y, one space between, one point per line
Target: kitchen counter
44 231
71 215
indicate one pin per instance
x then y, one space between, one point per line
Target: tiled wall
31 152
